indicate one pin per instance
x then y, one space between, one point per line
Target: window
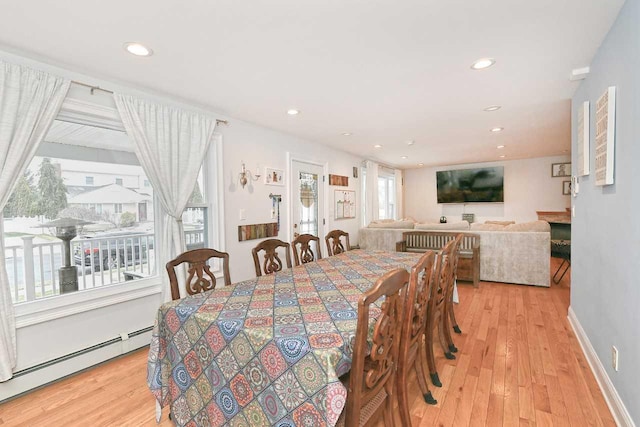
202 218
147 183
117 243
195 217
119 181
386 195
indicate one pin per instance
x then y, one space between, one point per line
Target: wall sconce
244 173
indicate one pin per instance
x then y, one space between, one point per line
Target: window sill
45 310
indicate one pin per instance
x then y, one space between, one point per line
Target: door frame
325 187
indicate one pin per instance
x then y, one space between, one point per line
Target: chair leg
403 394
454 322
389 419
431 362
452 314
560 268
421 374
442 334
445 327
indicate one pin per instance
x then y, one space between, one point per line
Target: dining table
269 350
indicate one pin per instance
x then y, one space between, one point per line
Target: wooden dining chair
334 243
412 353
272 261
306 251
372 376
453 323
200 278
437 314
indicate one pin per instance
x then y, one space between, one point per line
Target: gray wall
605 284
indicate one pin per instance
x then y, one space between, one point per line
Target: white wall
528 187
256 145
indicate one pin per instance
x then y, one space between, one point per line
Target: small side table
561 249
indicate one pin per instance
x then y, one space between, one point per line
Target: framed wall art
605 136
339 180
560 169
273 176
583 139
345 204
566 188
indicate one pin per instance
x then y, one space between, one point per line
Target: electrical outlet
614 357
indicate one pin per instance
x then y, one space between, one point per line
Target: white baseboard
611 396
40 377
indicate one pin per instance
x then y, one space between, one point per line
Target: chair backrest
381 361
272 261
200 278
455 256
414 319
306 252
334 245
443 285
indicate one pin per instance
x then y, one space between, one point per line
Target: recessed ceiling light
403 157
420 164
497 129
483 63
138 49
293 112
493 108
346 134
502 156
410 142
500 146
377 146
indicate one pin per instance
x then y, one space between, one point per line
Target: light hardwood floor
518 364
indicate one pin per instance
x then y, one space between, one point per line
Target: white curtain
371 192
171 145
399 194
29 102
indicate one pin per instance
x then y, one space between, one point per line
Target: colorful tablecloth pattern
266 351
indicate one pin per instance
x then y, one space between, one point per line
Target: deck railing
33 267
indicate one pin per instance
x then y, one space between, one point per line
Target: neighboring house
113 199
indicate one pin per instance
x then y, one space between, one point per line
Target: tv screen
471 185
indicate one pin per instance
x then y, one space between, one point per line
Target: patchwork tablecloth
267 351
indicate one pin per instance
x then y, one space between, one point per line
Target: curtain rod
94 88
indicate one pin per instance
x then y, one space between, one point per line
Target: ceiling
386 71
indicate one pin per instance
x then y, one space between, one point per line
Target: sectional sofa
510 253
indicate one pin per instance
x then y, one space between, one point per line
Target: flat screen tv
471 185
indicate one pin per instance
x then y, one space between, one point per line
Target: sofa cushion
487 227
534 226
461 226
500 222
392 224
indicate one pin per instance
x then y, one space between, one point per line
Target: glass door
308 199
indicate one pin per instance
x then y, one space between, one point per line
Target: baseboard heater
77 353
